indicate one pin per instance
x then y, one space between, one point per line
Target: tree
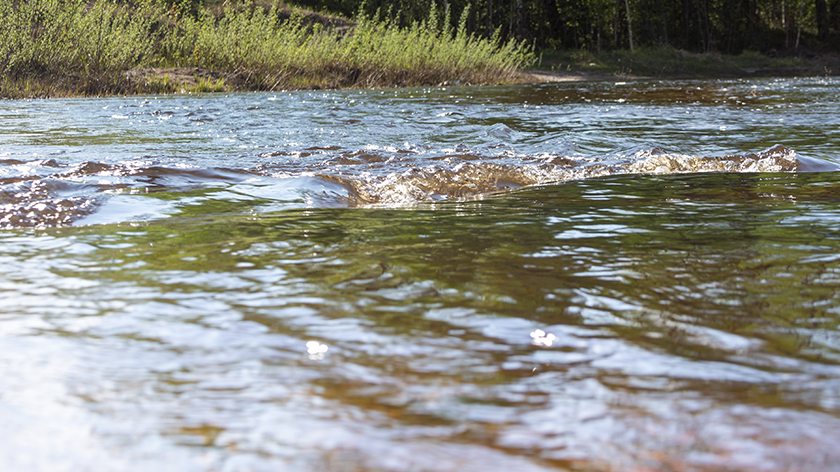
728 26
821 11
629 24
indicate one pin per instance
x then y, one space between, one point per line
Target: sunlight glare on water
598 276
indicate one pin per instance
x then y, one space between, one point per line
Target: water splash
44 194
472 179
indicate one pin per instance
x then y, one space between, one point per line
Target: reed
72 47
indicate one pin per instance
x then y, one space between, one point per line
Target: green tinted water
244 316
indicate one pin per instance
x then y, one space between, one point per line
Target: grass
76 47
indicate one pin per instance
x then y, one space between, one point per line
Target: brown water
605 276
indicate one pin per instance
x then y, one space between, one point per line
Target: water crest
51 193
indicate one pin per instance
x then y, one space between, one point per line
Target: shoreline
611 66
186 80
546 77
672 64
190 78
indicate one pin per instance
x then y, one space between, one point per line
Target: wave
47 193
470 179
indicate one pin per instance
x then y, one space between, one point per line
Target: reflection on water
214 304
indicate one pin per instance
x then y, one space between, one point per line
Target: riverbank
81 49
669 63
49 49
574 67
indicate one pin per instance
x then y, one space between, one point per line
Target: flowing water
601 276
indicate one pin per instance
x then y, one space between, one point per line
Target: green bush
87 48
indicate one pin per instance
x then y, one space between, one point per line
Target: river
603 276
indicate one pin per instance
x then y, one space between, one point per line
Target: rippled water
600 276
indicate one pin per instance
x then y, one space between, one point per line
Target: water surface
601 276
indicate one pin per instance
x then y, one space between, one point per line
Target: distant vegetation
700 26
75 47
668 62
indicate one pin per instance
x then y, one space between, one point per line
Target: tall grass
255 45
53 47
71 44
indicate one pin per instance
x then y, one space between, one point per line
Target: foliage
269 53
70 39
728 26
664 61
52 45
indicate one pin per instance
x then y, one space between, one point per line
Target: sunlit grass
52 47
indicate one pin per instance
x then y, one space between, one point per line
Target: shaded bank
573 66
578 66
50 48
